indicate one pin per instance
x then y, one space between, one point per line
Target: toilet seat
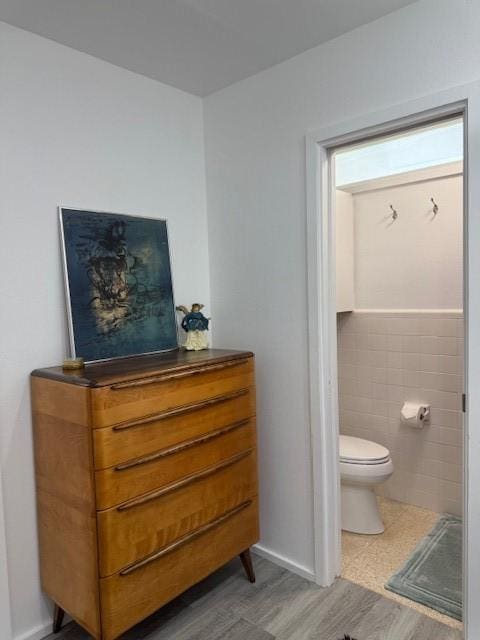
362 452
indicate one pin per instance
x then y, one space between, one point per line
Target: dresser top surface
106 373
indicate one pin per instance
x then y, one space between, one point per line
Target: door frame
463 100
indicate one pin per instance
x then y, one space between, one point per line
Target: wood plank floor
281 606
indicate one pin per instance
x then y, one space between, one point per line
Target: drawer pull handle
185 539
178 374
181 447
184 482
179 411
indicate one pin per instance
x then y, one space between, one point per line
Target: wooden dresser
146 479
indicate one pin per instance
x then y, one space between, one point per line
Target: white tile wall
386 358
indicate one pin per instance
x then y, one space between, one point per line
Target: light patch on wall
427 147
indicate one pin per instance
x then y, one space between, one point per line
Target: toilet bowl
363 464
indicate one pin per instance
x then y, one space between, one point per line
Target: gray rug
433 573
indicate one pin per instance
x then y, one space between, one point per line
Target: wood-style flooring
281 606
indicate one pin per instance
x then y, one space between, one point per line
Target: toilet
363 464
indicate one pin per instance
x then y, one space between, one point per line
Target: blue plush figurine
196 326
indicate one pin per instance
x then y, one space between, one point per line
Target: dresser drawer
148 396
137 528
135 593
138 438
142 475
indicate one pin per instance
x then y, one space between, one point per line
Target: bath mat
433 574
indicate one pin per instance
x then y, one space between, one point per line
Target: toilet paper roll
415 415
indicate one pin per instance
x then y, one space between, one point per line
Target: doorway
400 354
459 101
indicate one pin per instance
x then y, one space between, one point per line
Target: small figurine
196 326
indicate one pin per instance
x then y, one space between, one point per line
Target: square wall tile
386 359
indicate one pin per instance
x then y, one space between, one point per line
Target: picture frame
118 284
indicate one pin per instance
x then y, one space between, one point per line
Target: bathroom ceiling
199 46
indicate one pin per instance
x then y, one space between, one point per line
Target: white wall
416 261
76 131
4 590
255 150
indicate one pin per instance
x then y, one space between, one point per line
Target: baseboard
41 631
37 633
286 563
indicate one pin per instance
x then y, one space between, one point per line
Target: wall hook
394 213
435 206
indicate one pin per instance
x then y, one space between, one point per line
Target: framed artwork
118 284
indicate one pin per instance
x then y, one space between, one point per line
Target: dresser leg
246 559
58 614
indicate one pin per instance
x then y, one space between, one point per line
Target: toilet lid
359 451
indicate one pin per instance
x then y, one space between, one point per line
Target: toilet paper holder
425 413
415 415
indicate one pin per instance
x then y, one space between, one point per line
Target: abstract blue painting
119 284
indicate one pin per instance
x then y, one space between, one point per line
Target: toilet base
360 513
